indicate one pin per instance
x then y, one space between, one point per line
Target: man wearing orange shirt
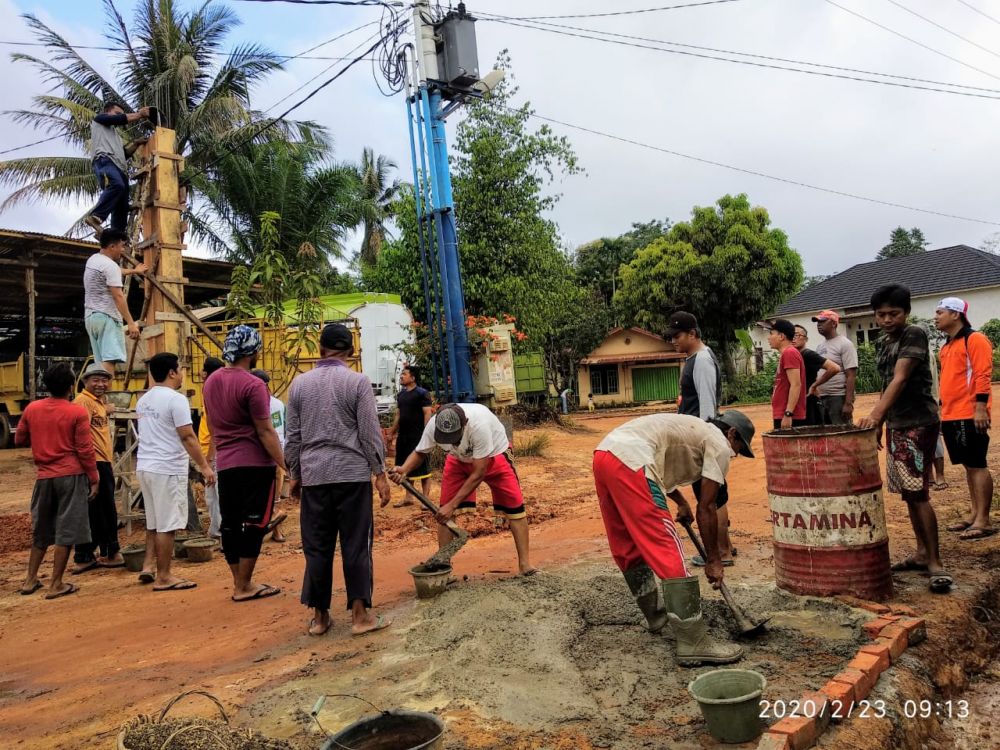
966 398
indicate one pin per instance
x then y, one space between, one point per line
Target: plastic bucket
730 702
199 550
430 581
135 555
392 730
181 538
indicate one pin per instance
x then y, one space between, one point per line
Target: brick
875 607
902 609
881 652
770 741
801 731
896 638
841 696
861 682
869 664
916 629
817 699
874 627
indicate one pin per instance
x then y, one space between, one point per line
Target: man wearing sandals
333 443
909 412
59 435
166 440
966 398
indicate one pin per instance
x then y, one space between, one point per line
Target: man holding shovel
478 452
636 468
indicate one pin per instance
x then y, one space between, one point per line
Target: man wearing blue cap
238 407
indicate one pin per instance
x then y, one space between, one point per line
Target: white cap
955 304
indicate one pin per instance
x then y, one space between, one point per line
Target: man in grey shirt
333 446
837 394
104 304
110 157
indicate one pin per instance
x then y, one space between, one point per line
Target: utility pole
443 292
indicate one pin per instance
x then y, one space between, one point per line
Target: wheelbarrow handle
407 485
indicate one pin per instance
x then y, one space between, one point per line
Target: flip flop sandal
380 624
907 566
111 565
264 592
275 522
325 630
146 577
179 586
529 573
940 485
84 567
975 534
71 588
941 583
958 526
32 590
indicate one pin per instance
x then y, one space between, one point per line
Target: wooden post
162 245
29 286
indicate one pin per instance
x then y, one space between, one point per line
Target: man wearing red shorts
636 468
477 452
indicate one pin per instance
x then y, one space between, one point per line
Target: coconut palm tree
315 198
170 61
374 202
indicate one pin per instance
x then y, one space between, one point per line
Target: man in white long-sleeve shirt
701 390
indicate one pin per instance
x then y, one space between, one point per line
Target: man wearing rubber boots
636 468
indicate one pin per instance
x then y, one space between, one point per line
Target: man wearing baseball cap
636 468
788 400
966 397
836 394
478 452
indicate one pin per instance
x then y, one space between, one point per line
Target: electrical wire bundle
389 64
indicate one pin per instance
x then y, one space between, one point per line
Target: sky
905 146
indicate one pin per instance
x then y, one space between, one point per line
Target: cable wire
842 76
33 143
943 28
974 9
630 12
755 173
492 16
911 39
355 3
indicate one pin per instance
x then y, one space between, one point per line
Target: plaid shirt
332 431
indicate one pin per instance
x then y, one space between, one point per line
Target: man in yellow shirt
208 448
101 508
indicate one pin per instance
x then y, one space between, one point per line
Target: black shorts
721 497
966 445
405 445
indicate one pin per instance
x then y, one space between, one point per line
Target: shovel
746 626
444 555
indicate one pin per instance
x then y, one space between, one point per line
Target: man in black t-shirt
412 413
814 378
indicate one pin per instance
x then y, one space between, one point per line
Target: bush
991 329
754 388
533 446
868 378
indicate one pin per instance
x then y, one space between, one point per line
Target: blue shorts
107 339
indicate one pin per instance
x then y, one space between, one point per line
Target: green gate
655 383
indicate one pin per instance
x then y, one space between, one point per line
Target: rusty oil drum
827 514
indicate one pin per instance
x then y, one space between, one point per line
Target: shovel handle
704 556
408 486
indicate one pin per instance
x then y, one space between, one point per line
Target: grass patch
571 425
533 446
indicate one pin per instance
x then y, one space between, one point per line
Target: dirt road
556 661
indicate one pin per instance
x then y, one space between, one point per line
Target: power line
944 28
756 56
356 3
740 62
630 12
34 143
974 9
755 173
912 40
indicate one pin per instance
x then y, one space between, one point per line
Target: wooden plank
169 316
152 331
29 284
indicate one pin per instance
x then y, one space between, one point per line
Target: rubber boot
695 646
642 584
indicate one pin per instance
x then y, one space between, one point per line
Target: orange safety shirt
966 370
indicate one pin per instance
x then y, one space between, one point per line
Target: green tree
811 281
375 201
991 329
166 58
903 243
727 266
315 198
598 263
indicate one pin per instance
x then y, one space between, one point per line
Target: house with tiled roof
631 365
959 270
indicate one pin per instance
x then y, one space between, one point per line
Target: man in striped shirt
333 447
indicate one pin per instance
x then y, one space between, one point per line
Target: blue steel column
451 274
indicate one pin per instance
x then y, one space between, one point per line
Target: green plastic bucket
730 703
